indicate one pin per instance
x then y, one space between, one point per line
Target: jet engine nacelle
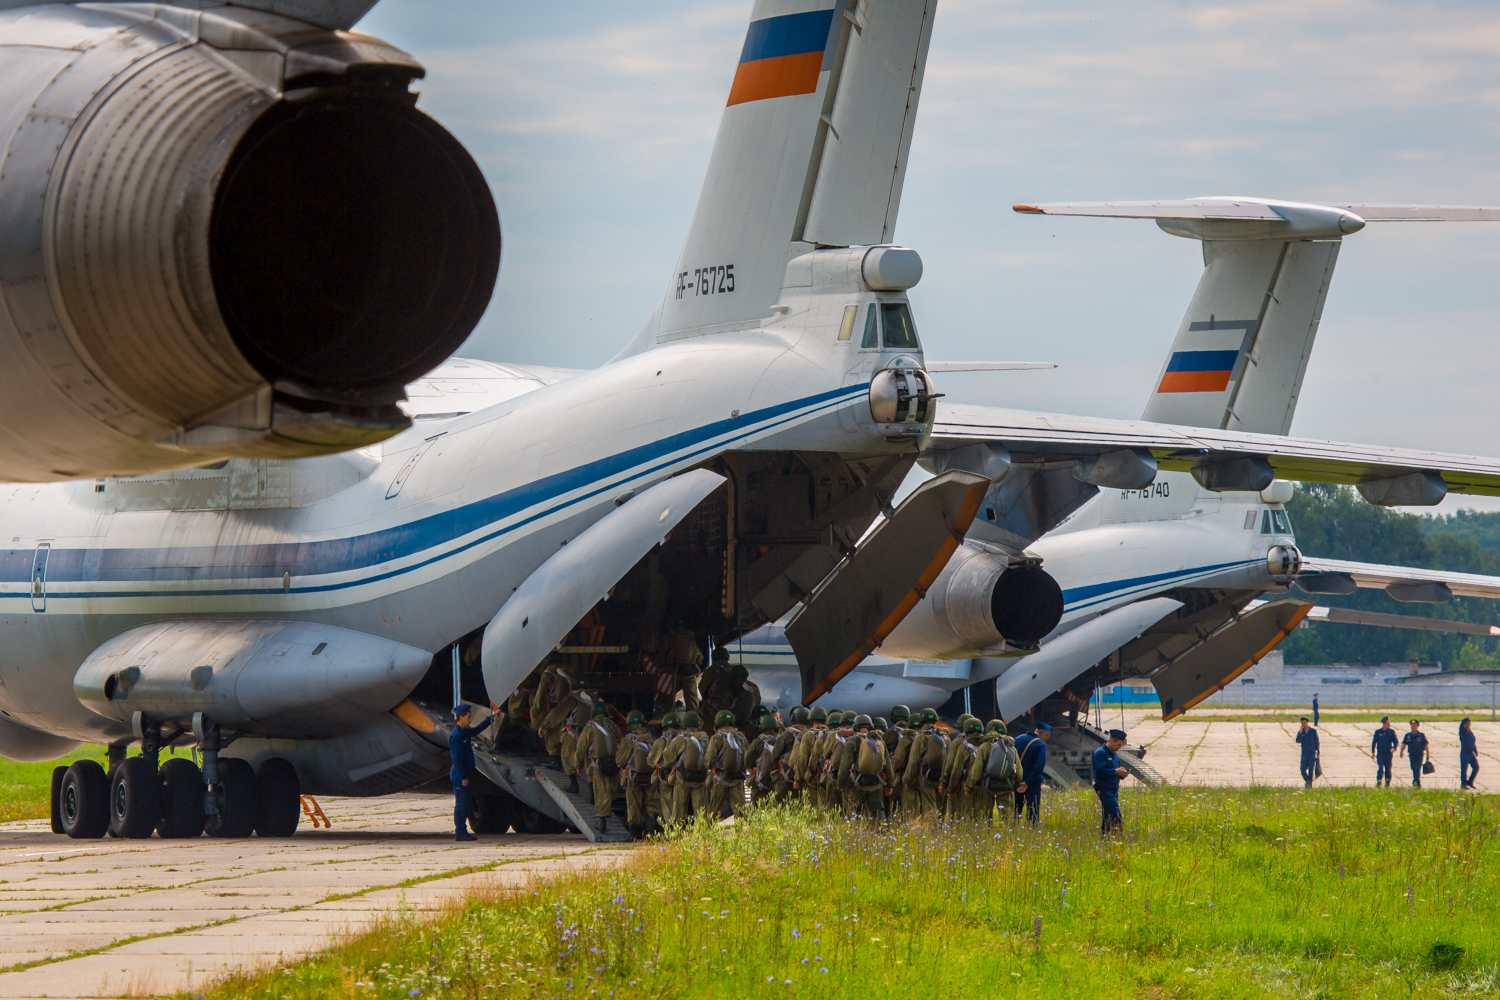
222 233
981 601
265 678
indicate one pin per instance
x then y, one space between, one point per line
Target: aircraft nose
1350 223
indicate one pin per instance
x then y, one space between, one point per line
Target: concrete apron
150 917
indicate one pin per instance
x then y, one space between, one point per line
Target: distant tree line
1335 523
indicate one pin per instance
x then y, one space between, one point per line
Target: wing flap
1232 649
1033 437
1374 575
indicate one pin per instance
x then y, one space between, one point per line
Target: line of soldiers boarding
840 762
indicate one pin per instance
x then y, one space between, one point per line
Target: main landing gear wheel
83 801
491 813
134 799
181 797
57 780
239 800
280 798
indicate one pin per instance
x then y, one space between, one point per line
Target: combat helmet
601 707
724 718
962 724
900 713
973 725
691 719
819 714
835 718
862 722
929 716
671 721
635 718
801 716
995 726
881 724
769 723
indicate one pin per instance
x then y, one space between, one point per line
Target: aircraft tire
492 814
181 798
57 780
280 798
532 820
134 799
239 802
83 801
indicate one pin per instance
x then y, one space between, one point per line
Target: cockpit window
872 328
1282 523
1265 522
900 332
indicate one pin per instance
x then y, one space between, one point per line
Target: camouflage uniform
978 783
904 801
923 779
727 780
865 794
640 785
598 745
804 766
956 764
661 777
691 786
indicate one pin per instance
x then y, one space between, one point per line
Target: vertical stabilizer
811 151
1243 347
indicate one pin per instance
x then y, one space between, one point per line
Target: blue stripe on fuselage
359 552
1083 597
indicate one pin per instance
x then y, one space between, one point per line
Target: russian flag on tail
782 56
1198 371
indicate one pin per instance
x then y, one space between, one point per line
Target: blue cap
1117 734
461 709
1044 727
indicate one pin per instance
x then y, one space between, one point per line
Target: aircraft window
900 332
1282 523
872 328
1249 520
846 328
1265 522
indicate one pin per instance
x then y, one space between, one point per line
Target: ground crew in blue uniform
1468 755
1415 742
1383 750
1315 709
461 749
1031 748
1307 738
1107 775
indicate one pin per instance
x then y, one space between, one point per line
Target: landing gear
83 801
181 797
280 796
236 795
57 780
134 799
492 814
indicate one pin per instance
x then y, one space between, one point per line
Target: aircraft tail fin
811 151
1242 349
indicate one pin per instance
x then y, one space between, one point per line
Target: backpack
932 756
763 762
868 764
785 763
639 767
1003 767
731 769
835 753
963 753
690 764
603 749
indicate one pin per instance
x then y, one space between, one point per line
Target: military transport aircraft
306 624
225 230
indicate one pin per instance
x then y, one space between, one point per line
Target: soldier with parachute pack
866 769
634 761
727 764
924 767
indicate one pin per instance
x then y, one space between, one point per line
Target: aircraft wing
988 366
1218 459
1373 575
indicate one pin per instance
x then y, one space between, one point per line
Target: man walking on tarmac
1383 750
461 750
1416 742
1107 775
1032 749
1307 738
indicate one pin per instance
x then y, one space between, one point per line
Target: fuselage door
39 576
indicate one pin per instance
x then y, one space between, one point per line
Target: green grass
26 789
1215 893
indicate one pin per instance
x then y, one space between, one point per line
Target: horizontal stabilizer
1349 616
1375 576
1423 213
988 366
1032 678
1261 209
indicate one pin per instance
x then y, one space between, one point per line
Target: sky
593 122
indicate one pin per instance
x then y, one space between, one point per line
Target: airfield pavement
132 918
148 917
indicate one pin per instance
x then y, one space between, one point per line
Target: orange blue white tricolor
1198 371
782 56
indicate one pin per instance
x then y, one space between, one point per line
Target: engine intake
227 233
